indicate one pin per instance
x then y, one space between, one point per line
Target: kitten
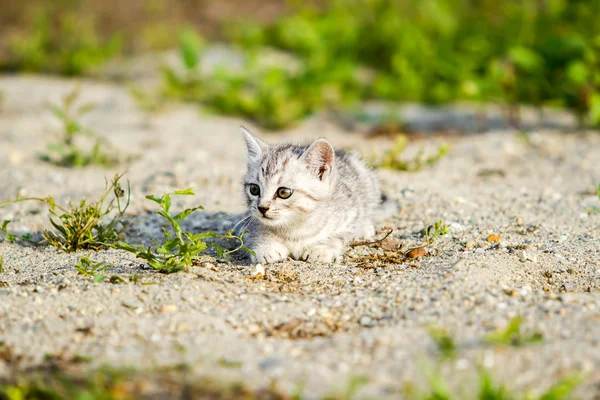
308 202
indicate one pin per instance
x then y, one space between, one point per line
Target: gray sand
311 325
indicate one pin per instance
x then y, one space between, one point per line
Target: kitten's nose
263 210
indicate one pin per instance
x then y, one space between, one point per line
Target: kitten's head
284 182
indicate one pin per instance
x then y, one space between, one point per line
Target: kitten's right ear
255 146
319 158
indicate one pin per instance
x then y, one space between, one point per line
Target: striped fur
335 199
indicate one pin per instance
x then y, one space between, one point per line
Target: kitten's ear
255 146
319 158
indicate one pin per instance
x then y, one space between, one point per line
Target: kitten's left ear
255 145
319 158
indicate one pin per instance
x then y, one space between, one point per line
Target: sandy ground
314 326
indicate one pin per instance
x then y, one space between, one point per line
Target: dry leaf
494 239
417 252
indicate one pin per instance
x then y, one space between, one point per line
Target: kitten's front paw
321 253
271 253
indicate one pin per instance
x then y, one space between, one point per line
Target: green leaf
154 263
154 199
185 213
99 278
58 112
595 108
577 72
166 202
525 59
5 225
250 251
190 46
73 127
489 391
127 247
185 192
166 216
114 279
85 108
562 389
60 228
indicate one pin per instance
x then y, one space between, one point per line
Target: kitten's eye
284 193
254 189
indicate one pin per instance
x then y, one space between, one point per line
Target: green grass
514 336
124 384
543 54
434 51
69 150
87 267
273 96
595 210
61 41
179 249
433 232
445 344
100 224
394 158
93 225
438 388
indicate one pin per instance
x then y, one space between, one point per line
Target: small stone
131 304
15 157
568 287
519 221
209 265
365 321
63 283
259 272
168 308
527 256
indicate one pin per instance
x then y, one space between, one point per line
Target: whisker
245 226
227 217
246 218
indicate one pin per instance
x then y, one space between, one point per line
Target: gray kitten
308 202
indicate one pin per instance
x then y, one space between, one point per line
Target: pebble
527 256
168 308
259 271
131 304
568 287
365 321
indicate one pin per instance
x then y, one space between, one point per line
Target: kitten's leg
324 252
368 232
270 250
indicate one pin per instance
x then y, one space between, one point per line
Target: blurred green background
543 53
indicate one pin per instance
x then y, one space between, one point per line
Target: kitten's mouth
261 216
266 219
